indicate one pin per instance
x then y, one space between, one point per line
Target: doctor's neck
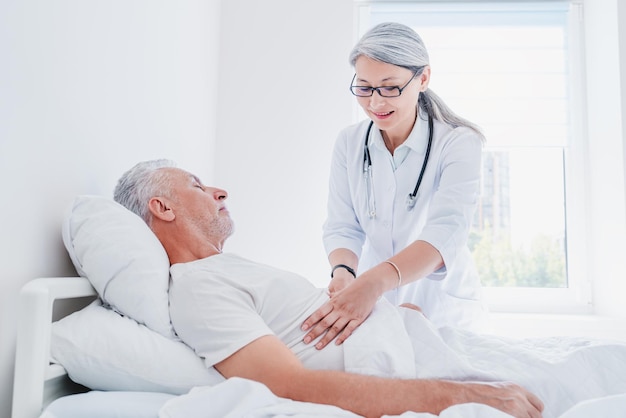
396 136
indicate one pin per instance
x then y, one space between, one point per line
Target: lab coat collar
417 140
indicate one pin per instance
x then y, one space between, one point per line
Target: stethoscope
367 171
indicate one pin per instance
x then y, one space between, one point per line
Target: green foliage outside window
542 264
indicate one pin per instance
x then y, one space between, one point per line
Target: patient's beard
221 228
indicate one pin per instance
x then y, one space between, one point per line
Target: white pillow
122 258
103 350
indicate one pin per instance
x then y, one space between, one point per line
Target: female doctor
404 186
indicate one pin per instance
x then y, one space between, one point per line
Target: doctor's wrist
342 267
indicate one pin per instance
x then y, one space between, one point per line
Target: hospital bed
37 382
101 361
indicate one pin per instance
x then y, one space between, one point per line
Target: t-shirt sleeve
213 317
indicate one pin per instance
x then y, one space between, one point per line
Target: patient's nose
219 194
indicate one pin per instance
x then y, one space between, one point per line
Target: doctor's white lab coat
442 215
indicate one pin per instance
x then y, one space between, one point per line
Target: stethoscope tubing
367 161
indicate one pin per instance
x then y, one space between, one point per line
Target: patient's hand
507 397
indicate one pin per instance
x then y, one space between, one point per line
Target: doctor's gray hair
141 183
397 44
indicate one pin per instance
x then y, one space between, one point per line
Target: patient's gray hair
141 183
397 44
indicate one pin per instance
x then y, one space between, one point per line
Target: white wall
282 63
88 88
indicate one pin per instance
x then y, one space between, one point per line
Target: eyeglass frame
377 89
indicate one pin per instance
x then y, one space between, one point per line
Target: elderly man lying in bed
245 318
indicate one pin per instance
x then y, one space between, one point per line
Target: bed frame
37 382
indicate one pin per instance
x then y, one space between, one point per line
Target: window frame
577 297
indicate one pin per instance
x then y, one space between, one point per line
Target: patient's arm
269 361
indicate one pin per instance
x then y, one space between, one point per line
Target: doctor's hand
342 314
341 279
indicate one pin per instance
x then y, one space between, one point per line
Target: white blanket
575 378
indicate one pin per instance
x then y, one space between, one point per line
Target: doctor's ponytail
437 109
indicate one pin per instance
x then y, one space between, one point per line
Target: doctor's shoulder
461 136
354 135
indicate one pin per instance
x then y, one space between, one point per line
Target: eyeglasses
383 91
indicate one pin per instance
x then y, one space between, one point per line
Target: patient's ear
160 209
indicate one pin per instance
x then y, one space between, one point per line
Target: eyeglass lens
365 91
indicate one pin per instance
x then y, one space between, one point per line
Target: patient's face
202 207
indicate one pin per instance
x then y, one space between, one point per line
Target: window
513 68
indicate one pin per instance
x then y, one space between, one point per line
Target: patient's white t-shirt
222 303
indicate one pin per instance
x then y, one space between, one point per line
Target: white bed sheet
576 378
236 398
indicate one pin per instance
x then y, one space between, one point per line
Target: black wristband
350 270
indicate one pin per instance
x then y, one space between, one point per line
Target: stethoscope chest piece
410 201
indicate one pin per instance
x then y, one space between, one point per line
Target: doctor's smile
382 115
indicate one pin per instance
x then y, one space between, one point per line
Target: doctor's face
394 115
